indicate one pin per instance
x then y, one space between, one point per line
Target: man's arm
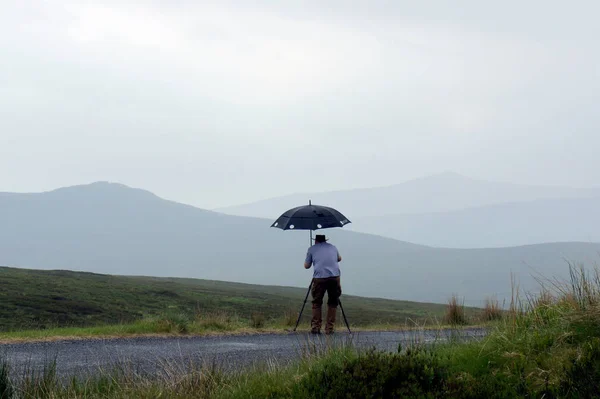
308 261
339 256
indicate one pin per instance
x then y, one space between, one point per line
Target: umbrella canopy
310 217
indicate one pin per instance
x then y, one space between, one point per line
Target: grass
455 312
39 303
492 310
545 346
6 385
175 380
208 325
170 324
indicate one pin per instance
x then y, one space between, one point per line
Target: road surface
150 355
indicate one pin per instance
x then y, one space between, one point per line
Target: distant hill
437 193
450 210
113 229
502 225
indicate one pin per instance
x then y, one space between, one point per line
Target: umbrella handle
311 239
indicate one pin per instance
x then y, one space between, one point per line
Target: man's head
319 238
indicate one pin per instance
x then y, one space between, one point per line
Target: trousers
333 288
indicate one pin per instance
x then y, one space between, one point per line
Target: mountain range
450 210
113 229
501 225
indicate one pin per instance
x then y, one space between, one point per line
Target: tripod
302 309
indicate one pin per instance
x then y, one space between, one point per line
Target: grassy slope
33 299
545 347
550 349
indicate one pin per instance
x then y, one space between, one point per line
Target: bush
415 373
174 323
455 312
465 386
290 317
582 376
257 320
218 321
492 310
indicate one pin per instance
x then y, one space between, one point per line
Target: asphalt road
151 355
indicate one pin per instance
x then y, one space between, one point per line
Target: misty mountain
509 224
110 228
438 193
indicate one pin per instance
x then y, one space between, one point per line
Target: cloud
284 90
241 57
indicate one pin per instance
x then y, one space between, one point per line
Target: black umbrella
311 217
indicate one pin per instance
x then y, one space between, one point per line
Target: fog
220 103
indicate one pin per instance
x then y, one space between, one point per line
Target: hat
320 238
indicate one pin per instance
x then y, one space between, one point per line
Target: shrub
581 377
257 320
415 373
455 312
585 286
174 323
491 310
219 321
290 317
465 386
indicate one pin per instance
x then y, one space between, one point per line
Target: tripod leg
345 319
302 310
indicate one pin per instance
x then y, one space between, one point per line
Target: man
326 277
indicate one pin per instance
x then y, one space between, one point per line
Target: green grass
151 326
39 303
546 346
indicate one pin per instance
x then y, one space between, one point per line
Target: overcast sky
215 103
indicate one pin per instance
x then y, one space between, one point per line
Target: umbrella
311 217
